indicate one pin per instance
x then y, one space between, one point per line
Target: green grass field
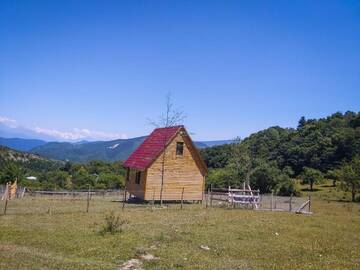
67 237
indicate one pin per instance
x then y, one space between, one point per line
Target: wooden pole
6 202
182 198
275 201
6 196
88 200
206 198
124 199
153 199
211 196
271 201
309 203
290 201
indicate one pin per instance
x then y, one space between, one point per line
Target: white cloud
72 135
8 122
79 134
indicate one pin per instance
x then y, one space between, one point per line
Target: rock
204 247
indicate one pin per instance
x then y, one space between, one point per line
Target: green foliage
286 186
113 224
349 175
216 156
321 144
57 175
311 176
265 177
219 178
9 172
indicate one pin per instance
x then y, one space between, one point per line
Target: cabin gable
180 171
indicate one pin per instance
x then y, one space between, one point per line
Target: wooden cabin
166 156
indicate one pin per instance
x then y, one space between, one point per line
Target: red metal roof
151 148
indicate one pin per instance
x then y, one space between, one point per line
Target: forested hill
320 144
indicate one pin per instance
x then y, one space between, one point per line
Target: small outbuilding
166 163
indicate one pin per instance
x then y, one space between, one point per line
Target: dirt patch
132 264
148 257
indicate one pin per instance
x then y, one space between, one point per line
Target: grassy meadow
57 233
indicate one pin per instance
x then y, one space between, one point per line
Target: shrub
113 224
286 187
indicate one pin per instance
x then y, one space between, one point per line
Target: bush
286 187
113 224
218 178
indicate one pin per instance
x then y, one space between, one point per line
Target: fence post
6 202
271 201
206 197
124 199
88 200
182 198
211 195
290 201
309 203
275 201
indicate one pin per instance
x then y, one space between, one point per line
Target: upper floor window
179 148
138 177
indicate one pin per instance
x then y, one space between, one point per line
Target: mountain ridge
85 151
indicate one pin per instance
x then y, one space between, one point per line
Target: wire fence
210 198
266 202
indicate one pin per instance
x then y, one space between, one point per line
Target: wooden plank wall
180 172
137 190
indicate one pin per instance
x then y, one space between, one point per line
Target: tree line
55 175
318 149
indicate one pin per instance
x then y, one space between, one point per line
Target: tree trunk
353 192
311 185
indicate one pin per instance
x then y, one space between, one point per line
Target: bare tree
170 118
242 164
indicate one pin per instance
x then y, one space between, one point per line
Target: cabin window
179 148
137 178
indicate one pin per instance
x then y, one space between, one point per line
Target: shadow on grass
328 186
137 201
309 190
339 200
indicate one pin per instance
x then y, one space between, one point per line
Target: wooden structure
233 196
244 197
166 166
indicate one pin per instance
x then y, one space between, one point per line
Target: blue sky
99 69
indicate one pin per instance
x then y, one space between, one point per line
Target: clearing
56 233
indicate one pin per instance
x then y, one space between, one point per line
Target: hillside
86 151
8 154
16 164
21 144
271 157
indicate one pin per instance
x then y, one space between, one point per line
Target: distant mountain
84 151
205 144
21 144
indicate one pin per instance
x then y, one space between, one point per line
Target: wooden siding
137 190
180 172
